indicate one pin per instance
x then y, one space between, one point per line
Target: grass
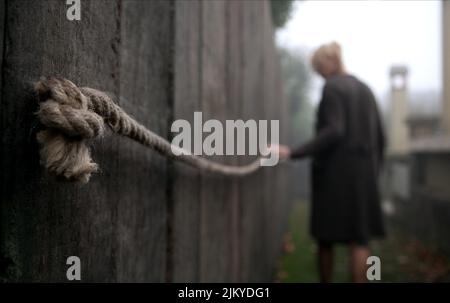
402 259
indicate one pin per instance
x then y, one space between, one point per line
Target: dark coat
347 154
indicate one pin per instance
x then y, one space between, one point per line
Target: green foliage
281 11
296 78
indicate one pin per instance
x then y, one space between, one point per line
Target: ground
403 259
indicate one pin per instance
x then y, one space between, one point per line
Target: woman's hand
283 151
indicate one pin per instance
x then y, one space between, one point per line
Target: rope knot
64 108
64 112
73 115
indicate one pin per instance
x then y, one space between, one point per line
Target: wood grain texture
53 220
142 218
234 87
252 207
186 187
145 90
215 208
116 223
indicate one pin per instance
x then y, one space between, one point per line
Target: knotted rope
72 116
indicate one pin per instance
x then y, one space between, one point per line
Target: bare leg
358 266
325 261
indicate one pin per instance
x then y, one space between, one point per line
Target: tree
296 77
281 11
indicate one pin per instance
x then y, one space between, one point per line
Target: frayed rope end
63 111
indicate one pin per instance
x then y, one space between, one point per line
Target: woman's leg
358 258
325 260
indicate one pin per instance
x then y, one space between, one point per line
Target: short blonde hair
330 51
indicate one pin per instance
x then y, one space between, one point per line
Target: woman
347 153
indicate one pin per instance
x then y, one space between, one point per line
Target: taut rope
73 115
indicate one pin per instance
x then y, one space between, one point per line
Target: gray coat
347 154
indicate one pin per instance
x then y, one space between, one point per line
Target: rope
72 116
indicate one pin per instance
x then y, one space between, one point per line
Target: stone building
422 176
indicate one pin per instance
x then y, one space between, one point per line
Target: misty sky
374 35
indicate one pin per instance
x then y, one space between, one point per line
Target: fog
374 35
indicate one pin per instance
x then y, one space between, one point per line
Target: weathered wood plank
252 189
215 196
186 184
53 220
275 107
141 182
234 103
140 219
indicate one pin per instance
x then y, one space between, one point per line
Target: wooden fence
143 218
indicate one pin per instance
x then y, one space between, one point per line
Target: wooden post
143 217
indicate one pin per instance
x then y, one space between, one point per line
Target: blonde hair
328 52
